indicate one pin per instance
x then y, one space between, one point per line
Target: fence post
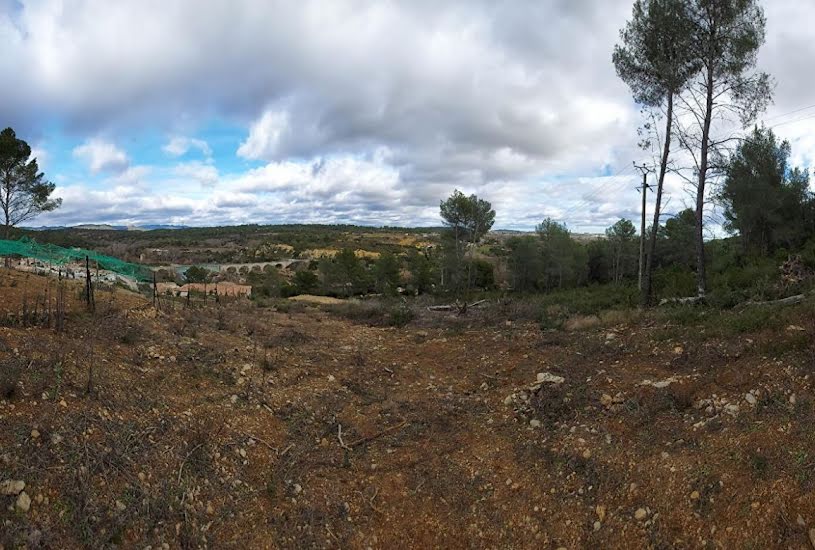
89 285
155 291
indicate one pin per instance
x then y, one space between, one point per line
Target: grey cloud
474 94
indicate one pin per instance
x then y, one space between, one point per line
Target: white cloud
180 145
265 136
204 173
102 156
517 101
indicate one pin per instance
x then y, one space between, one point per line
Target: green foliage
306 282
525 263
401 315
482 274
656 57
386 274
24 191
621 238
565 261
265 284
470 218
676 241
344 275
766 202
197 274
467 220
421 272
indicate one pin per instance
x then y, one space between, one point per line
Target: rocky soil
233 426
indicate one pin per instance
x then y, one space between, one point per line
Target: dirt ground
232 426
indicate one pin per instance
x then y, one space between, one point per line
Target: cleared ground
234 426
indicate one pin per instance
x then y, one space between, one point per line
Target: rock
35 434
120 506
23 503
233 399
606 400
640 514
597 525
509 399
548 377
800 521
601 512
611 336
793 399
750 398
535 423
679 350
56 439
331 378
694 495
587 454
11 487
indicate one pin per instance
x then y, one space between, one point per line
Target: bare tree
657 59
725 95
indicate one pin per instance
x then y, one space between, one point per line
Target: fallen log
788 301
457 307
690 300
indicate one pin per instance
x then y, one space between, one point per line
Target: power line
587 200
810 117
782 115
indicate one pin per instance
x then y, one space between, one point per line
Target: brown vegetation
236 426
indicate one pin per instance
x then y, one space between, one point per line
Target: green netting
56 255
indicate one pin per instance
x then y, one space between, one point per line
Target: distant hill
106 227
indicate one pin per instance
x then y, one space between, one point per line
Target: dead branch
379 434
788 301
690 300
459 307
339 438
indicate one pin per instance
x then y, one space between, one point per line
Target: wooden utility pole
644 189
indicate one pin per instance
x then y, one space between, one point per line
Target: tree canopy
766 202
24 191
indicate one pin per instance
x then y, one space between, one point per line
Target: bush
401 315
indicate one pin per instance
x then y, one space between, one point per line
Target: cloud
102 156
180 145
265 136
517 101
204 173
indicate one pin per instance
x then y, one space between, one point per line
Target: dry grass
240 426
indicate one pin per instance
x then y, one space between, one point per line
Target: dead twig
183 462
261 441
378 434
339 438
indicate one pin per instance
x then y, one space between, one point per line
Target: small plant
401 315
9 378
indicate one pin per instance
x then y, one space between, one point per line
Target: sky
347 111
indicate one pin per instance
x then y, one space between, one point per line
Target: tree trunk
701 279
652 241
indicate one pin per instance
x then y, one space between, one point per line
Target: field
310 425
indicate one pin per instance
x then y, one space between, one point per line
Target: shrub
401 315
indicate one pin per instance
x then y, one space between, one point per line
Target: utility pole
644 189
